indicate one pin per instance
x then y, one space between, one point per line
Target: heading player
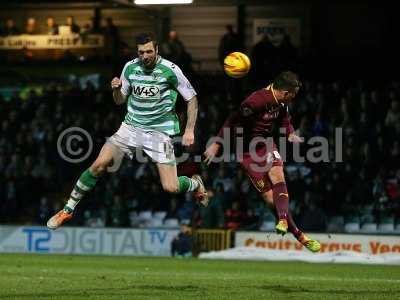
262 110
149 85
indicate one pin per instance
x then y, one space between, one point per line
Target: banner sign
370 244
83 240
276 29
73 41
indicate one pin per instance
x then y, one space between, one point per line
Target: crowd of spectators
113 51
361 179
35 181
51 27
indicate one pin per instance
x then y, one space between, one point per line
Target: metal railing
205 240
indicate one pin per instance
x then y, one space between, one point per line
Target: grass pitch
98 277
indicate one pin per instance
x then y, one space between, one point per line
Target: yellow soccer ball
237 64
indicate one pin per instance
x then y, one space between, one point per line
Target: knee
268 198
276 175
98 168
170 187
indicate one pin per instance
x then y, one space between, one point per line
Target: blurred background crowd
31 26
35 181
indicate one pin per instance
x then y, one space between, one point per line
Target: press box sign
37 42
77 240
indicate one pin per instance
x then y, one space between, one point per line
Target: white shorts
133 140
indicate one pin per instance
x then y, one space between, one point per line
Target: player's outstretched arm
294 138
287 124
116 84
231 122
211 152
192 108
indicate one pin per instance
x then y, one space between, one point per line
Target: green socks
85 184
186 184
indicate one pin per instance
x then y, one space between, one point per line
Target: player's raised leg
171 183
310 244
280 196
84 185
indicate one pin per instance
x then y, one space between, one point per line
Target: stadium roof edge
129 3
56 4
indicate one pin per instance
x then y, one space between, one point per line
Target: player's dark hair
145 38
287 81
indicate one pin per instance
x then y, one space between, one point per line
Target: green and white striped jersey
153 93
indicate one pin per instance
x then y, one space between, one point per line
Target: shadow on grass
134 290
295 290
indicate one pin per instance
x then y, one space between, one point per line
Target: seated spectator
45 211
223 178
118 213
212 216
251 221
234 217
182 244
85 31
52 27
111 33
229 42
265 61
319 127
393 114
31 26
175 51
185 211
312 219
392 187
172 211
71 23
10 28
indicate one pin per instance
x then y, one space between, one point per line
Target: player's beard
149 62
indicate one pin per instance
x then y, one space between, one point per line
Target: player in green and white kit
149 85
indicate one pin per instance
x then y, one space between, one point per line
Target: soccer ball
237 64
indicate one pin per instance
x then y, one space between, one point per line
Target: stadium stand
359 186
